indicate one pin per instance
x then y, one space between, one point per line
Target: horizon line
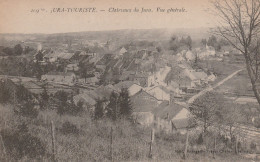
105 30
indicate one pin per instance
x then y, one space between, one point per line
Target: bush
20 143
200 139
257 123
27 109
253 146
69 128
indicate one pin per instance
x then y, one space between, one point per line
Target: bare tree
207 109
230 116
239 24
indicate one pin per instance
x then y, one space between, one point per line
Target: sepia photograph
130 81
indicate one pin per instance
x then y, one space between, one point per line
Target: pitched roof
60 73
133 89
124 84
85 98
63 55
126 74
123 50
200 74
181 123
143 102
141 75
171 109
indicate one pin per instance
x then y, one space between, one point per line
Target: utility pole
111 144
151 144
186 145
53 141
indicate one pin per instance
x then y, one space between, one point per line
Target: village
163 80
159 86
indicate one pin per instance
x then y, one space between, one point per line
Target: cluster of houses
156 85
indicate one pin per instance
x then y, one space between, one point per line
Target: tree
38 70
204 42
27 109
99 110
212 41
189 42
5 94
85 69
23 94
230 116
62 98
240 26
125 103
174 43
18 50
207 109
8 51
39 56
113 107
44 98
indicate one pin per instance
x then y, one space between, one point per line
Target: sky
17 16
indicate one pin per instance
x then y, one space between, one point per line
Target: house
92 80
159 92
141 54
145 79
197 77
211 77
72 67
171 117
201 76
104 92
179 57
190 56
210 50
175 88
133 89
56 56
143 118
122 51
131 86
87 100
246 100
206 52
67 78
88 52
127 75
144 102
180 76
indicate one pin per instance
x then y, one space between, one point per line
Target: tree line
119 106
17 50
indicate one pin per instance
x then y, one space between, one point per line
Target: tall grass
93 140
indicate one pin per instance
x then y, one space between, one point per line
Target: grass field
91 140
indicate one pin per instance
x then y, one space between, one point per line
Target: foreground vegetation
106 134
78 138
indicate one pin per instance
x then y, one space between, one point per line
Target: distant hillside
116 35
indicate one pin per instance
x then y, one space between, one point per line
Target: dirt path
191 100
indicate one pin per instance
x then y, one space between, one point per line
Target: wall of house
164 125
143 118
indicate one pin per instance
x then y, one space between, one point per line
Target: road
191 100
244 131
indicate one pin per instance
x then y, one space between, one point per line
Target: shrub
200 139
257 122
27 109
252 146
20 143
69 128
